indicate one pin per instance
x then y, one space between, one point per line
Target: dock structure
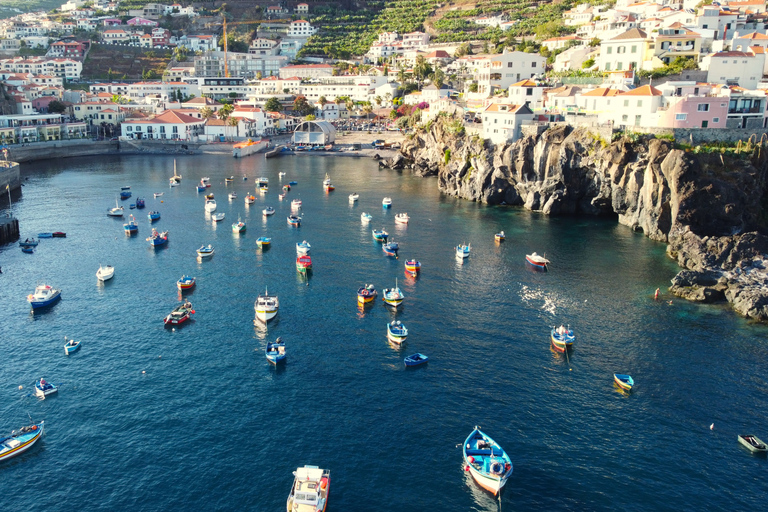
9 175
9 181
9 230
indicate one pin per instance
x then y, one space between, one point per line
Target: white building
301 28
306 71
502 121
624 52
744 69
168 125
497 72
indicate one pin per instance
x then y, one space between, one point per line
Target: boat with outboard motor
309 492
185 283
44 296
275 351
44 388
486 461
396 332
180 314
157 239
105 272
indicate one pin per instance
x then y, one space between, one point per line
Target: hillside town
643 66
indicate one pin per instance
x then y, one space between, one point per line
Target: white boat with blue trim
20 440
309 492
486 461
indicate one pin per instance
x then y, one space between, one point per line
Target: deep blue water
212 426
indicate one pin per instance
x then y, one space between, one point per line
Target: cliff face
670 195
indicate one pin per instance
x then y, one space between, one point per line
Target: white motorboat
386 202
249 199
268 211
105 272
365 218
402 218
309 492
218 217
173 183
117 211
303 248
210 205
353 197
296 203
205 251
266 306
232 196
158 194
462 250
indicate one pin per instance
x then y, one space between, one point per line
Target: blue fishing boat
396 332
292 182
562 338
153 216
391 248
29 242
263 242
132 206
139 203
462 250
393 296
20 440
486 461
416 360
294 220
185 283
28 250
44 296
201 188
131 227
275 351
303 247
386 202
365 218
625 382
45 235
205 251
157 239
125 188
125 194
43 388
71 346
380 235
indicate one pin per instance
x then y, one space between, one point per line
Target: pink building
141 22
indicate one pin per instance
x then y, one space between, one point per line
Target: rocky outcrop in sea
707 207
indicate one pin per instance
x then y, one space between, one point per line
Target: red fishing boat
304 263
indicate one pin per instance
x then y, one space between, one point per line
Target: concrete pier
9 230
9 175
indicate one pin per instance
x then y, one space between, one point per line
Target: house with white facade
301 28
497 72
167 125
502 121
744 69
626 51
306 71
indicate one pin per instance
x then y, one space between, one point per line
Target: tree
367 109
234 122
378 101
273 105
207 113
225 111
473 87
119 99
301 107
322 101
388 97
422 69
56 107
309 117
438 78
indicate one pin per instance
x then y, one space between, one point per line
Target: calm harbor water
211 425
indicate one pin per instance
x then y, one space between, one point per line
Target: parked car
377 143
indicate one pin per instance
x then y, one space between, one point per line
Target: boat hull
760 449
68 349
561 342
416 360
623 384
45 303
266 315
538 265
23 442
493 483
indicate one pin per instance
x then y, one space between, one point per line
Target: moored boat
536 261
304 263
131 227
44 388
309 492
20 440
753 444
158 194
105 272
416 360
125 194
201 187
71 346
354 196
232 196
499 237
380 235
43 296
45 235
218 217
157 239
249 199
239 226
562 338
487 462
296 203
625 382
117 211
263 242
173 183
326 181
462 250
393 296
390 248
229 180
386 202
402 218
292 183
266 306
139 203
28 250
59 234
275 351
412 266
365 218
396 332
153 216
176 176
303 247
180 314
268 211
205 251
294 220
29 242
210 205
185 282
286 188
366 294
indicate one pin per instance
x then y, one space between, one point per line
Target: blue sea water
149 419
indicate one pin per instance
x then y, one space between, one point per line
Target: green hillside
10 8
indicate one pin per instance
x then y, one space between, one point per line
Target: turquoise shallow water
211 426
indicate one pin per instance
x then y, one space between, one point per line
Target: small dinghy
153 216
185 283
536 261
625 382
275 351
402 218
396 332
353 197
499 237
45 235
205 251
44 388
29 242
416 360
218 217
59 234
294 220
71 346
263 242
105 272
28 250
486 461
365 218
753 444
232 196
268 211
158 194
180 314
366 294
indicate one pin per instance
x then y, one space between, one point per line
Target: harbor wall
9 175
61 149
9 230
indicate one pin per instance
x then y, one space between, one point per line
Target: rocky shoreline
708 208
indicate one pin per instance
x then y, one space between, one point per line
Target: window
529 92
509 64
626 103
621 49
715 119
703 107
533 64
633 49
624 118
607 66
681 117
610 50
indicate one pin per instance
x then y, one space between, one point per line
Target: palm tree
225 111
207 113
234 122
388 97
367 108
378 101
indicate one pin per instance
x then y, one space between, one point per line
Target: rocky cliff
695 202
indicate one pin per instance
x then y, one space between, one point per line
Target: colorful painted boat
263 242
753 444
249 199
499 237
44 389
44 296
397 332
487 462
268 211
365 218
286 188
232 196
413 266
71 346
59 234
105 272
386 202
45 235
229 180
131 227
303 247
562 338
304 263
380 235
390 248
462 250
309 492
201 188
29 242
238 227
294 220
416 360
536 261
180 314
393 296
185 283
205 251
266 306
366 294
125 194
275 351
139 203
19 441
625 382
402 218
157 239
153 216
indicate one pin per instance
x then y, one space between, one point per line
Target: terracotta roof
757 49
171 117
511 109
733 54
215 122
602 92
524 83
753 35
438 54
645 90
633 33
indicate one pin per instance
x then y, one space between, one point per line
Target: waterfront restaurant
38 128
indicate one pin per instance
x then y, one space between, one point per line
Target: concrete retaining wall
9 175
696 136
60 149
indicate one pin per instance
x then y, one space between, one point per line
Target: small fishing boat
20 440
176 176
416 360
153 216
296 203
70 346
286 188
625 382
125 188
232 196
131 227
210 205
105 272
303 247
45 235
268 211
275 351
292 183
117 211
499 237
304 263
366 294
249 199
354 196
245 178
132 206
390 248
185 282
229 180
380 235
266 306
281 196
125 194
329 188
157 239
263 242
462 250
139 203
173 183
239 226
43 296
280 175
396 332
205 251
402 218
263 190
562 338
386 202
365 218
158 194
28 250
309 492
218 217
180 314
29 242
393 296
263 182
327 180
201 187
205 179
294 220
59 234
412 266
486 461
209 196
44 388
536 261
753 444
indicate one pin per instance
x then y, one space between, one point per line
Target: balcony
746 110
